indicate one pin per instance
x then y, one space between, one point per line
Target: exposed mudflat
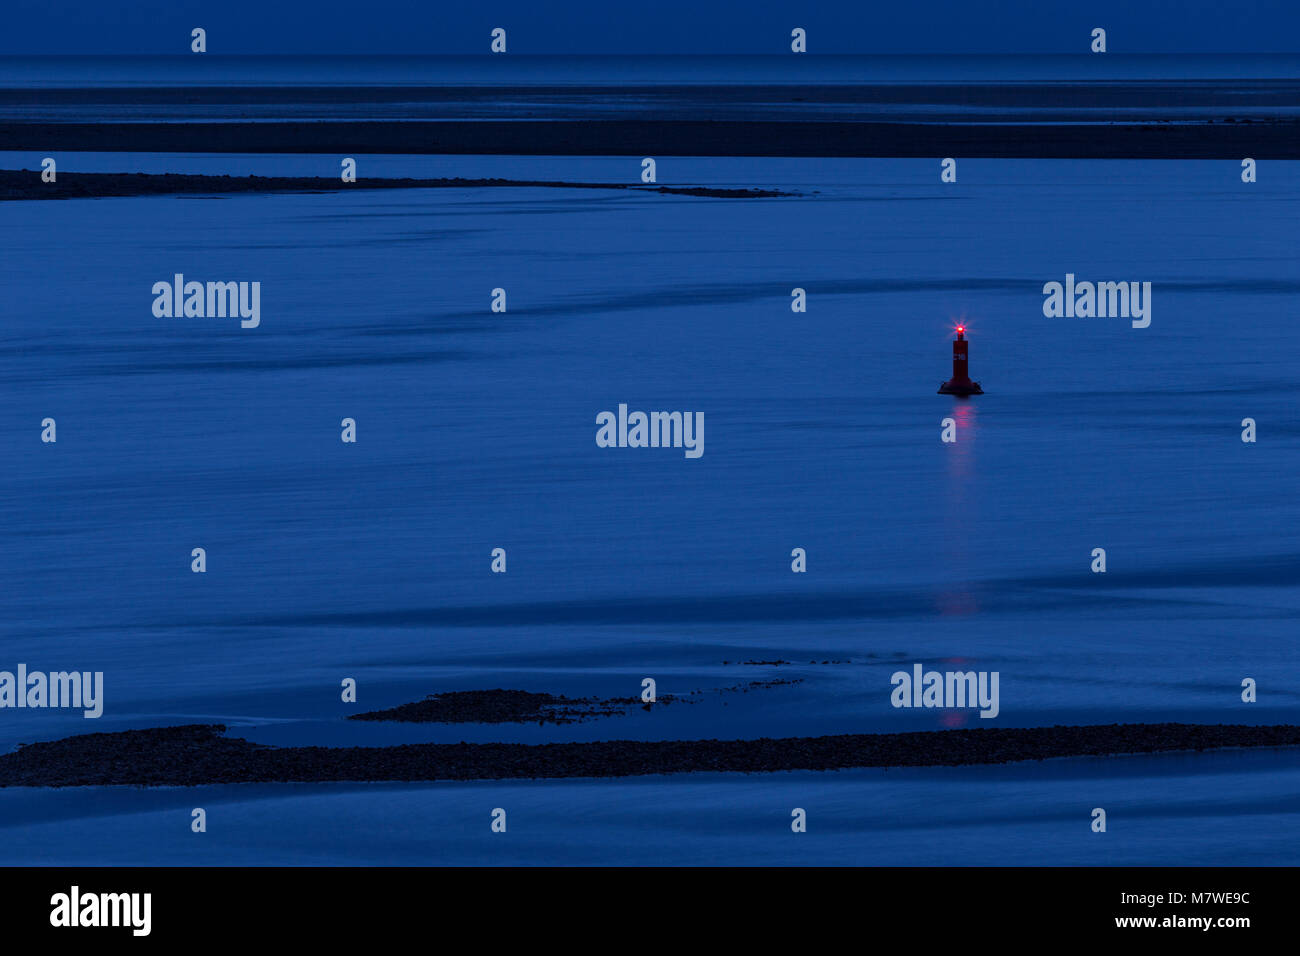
27 184
198 754
506 706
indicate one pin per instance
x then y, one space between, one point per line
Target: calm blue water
477 430
953 89
746 70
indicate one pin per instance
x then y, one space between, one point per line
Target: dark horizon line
1269 139
560 54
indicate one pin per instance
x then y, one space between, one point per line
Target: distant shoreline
26 184
1221 140
200 754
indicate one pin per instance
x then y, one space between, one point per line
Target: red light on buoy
960 383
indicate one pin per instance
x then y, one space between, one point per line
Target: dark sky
648 26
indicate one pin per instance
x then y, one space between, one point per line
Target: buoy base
961 388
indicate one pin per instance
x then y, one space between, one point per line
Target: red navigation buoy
960 383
